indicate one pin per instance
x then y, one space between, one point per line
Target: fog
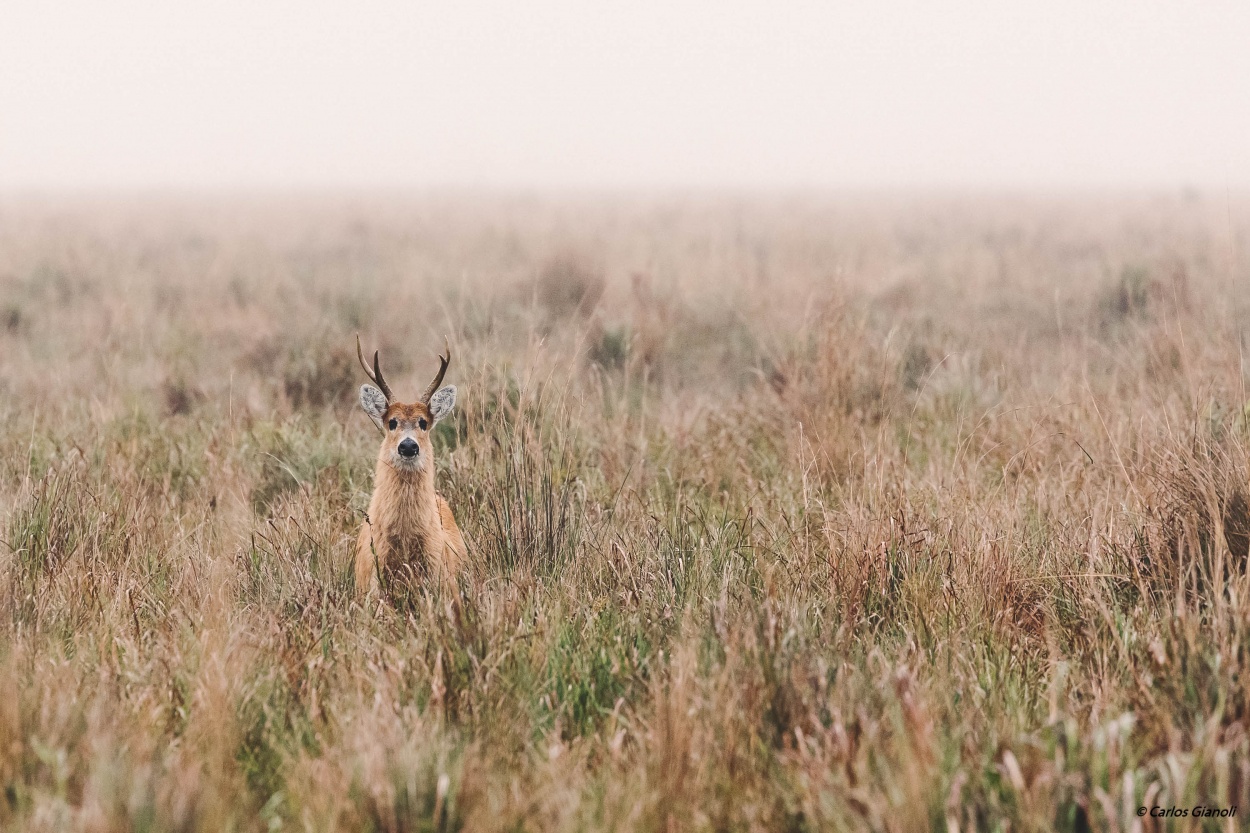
638 95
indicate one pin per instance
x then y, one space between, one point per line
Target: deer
409 530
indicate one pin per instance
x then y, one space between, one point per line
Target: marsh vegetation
785 513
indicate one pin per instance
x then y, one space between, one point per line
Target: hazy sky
630 94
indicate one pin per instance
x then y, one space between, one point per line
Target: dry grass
799 514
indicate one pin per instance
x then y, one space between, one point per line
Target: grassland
876 513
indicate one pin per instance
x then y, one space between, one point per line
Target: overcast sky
630 94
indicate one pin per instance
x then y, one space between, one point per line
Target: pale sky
97 94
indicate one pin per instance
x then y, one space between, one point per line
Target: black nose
408 448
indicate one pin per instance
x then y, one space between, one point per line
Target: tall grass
785 514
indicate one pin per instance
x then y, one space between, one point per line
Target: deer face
407 427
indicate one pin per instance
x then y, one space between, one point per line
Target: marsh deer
409 530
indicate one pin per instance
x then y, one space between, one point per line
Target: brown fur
410 531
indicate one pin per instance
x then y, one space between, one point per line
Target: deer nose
408 448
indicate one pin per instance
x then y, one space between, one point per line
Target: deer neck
404 503
404 523
412 489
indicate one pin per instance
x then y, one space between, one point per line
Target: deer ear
442 402
372 400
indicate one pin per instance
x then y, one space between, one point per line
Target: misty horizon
488 98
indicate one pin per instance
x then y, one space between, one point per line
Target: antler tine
374 375
442 370
360 355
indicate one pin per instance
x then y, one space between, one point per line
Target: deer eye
422 423
393 424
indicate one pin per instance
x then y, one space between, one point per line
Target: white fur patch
442 402
372 400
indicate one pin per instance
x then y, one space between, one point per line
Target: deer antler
442 369
374 375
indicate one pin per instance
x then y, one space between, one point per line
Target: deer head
406 446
